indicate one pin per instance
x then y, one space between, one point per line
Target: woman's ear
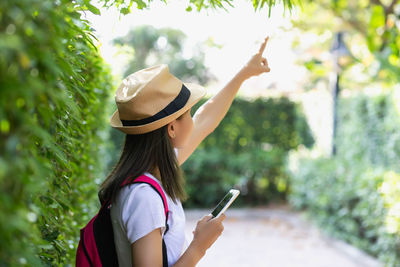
172 129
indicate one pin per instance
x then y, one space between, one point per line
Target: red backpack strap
156 186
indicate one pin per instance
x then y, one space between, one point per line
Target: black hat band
178 103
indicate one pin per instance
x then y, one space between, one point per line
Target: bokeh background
320 132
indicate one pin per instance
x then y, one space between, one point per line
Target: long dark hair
143 153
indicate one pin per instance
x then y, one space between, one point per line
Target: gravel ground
272 237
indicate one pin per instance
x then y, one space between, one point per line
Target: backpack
96 246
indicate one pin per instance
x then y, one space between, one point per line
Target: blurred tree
345 194
372 33
153 46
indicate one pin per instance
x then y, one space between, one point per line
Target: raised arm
210 114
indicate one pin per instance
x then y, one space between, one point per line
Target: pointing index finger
263 45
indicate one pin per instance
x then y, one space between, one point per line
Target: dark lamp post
341 57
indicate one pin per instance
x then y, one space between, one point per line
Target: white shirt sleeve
142 212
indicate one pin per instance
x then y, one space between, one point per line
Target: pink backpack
96 246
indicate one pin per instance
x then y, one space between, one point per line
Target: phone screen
225 202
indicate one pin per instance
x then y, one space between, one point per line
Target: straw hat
151 98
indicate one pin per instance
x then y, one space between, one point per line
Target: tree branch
377 2
387 10
390 8
352 22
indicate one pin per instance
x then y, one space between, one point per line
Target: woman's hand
257 64
207 231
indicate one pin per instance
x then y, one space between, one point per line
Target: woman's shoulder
137 192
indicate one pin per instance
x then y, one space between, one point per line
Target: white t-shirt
139 210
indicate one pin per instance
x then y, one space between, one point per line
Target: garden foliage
53 86
371 33
150 46
356 194
247 150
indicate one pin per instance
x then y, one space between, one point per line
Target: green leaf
93 9
125 10
377 17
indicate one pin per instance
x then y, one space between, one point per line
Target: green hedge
355 196
247 150
52 119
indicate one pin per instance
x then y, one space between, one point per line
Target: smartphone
225 202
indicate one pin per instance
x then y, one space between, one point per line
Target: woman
154 111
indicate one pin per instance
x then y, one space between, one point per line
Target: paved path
275 237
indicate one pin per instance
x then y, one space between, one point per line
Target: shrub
53 86
247 150
355 195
